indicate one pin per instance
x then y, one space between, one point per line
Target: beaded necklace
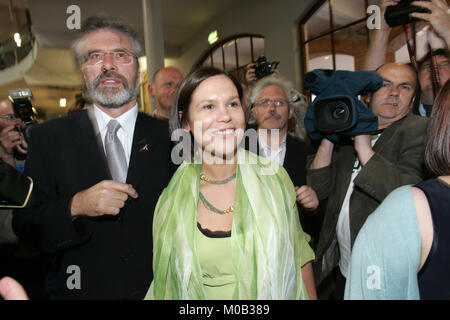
208 204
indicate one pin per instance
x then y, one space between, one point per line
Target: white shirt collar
263 143
266 151
422 111
126 120
125 133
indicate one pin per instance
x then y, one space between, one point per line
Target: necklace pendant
203 177
210 207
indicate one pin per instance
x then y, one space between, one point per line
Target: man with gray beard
98 174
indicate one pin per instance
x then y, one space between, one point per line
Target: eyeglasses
440 66
267 102
118 56
9 117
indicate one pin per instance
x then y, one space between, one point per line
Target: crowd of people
252 212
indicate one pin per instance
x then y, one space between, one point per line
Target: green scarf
266 237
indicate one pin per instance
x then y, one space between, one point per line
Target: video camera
399 14
23 109
337 110
264 68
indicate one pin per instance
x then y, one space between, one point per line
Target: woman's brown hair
437 150
182 99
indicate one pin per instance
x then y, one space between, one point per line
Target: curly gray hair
292 95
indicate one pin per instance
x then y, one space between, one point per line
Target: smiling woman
224 228
217 123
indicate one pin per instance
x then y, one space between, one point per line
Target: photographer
18 258
261 69
439 18
356 174
11 139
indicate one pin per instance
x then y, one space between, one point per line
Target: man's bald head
397 94
399 65
163 87
6 104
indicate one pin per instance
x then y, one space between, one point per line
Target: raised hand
439 17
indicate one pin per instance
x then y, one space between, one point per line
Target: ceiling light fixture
17 39
62 102
213 37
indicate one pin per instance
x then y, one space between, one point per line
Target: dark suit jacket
295 162
295 165
113 253
398 161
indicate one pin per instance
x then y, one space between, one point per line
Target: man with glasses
10 138
11 141
441 63
99 173
272 107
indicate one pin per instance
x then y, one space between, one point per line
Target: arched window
233 54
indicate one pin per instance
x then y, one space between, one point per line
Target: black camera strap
411 50
434 71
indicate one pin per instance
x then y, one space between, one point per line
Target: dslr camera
399 14
264 68
23 109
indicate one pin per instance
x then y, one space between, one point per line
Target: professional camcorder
264 68
23 109
337 110
399 14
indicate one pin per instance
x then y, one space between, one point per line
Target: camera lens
338 113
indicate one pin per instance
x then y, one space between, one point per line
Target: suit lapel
287 164
140 151
87 142
387 135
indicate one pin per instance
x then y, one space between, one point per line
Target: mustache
110 74
275 116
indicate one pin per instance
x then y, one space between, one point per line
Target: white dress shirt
125 133
268 152
343 225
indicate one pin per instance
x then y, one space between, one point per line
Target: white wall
277 21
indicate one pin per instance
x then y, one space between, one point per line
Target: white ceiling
181 18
